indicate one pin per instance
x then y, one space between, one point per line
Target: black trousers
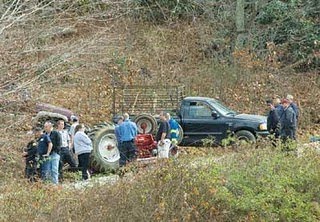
127 152
84 160
66 157
31 171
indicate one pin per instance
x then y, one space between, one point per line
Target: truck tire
148 121
105 155
180 136
246 136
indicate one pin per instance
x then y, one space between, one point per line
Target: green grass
248 185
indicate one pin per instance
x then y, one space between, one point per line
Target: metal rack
139 99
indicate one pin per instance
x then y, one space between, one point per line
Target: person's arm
163 134
69 141
86 139
50 145
49 149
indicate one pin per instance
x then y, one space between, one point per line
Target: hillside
71 54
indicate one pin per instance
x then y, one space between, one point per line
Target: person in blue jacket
174 129
128 131
287 122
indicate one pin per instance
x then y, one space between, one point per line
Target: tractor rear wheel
105 155
146 123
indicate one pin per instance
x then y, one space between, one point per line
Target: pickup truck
203 117
199 117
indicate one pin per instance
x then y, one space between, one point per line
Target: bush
159 11
254 184
291 25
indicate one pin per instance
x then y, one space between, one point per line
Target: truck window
199 110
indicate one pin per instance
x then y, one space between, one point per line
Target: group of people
46 154
283 119
126 131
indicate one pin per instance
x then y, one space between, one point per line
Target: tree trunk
240 24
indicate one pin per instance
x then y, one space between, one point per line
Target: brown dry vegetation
73 61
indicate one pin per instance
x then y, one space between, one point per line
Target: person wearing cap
273 120
287 121
75 121
128 131
30 153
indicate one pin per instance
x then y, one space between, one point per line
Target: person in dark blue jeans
128 130
44 148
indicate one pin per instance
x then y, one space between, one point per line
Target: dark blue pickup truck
202 117
199 117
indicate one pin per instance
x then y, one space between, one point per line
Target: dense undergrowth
71 53
249 185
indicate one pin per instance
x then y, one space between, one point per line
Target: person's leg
45 169
132 151
54 160
84 164
69 159
123 154
61 163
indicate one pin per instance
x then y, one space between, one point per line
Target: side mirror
214 114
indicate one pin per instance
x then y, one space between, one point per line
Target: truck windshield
221 108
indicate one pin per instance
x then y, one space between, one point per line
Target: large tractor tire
146 123
105 155
44 116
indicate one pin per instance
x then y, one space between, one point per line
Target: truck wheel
146 123
180 136
105 155
246 136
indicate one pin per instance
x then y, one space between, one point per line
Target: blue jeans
45 168
54 160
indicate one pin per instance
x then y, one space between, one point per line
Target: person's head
285 103
79 127
290 98
74 118
120 120
60 124
126 116
48 126
162 116
276 101
167 115
269 103
37 132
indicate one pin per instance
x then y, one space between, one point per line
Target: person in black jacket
30 155
273 125
287 122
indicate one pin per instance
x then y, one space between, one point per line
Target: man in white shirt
65 153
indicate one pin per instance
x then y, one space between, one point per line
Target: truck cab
203 117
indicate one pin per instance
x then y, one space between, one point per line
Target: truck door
199 124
